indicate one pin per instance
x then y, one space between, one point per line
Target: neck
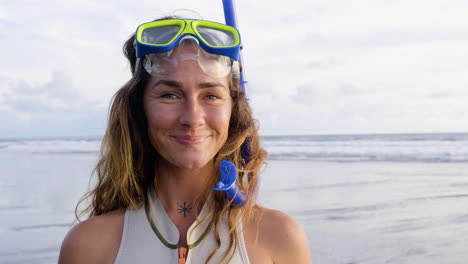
179 189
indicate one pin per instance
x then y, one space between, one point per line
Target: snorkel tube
227 169
230 18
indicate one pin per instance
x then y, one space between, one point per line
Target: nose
192 114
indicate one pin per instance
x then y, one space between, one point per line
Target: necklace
160 236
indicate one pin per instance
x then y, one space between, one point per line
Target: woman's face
188 115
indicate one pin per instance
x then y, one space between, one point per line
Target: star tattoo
184 208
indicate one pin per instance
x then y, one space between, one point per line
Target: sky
313 67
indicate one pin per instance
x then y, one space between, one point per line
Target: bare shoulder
281 236
95 240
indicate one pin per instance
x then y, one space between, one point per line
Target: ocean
443 147
395 198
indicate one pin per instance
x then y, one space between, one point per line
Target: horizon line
261 135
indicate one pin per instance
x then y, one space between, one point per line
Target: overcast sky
314 67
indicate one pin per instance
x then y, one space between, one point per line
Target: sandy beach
375 212
352 212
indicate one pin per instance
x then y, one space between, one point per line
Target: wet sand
356 212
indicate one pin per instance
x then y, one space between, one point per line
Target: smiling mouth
190 140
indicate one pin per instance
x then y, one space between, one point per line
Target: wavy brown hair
127 160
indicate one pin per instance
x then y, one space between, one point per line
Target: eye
212 97
168 96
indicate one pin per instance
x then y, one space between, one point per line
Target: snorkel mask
164 44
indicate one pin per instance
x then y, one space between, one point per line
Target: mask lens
159 35
158 65
162 64
214 65
217 37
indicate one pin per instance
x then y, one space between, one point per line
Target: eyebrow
177 84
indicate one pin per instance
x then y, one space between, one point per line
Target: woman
170 126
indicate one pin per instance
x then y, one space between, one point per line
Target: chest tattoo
184 208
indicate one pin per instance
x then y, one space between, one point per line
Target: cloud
55 107
321 63
320 66
57 95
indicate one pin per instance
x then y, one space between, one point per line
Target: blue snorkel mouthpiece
228 184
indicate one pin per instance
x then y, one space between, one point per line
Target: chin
191 162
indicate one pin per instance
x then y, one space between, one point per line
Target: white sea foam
407 148
51 146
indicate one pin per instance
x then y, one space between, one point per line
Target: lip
190 140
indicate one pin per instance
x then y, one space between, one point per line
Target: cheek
158 117
159 123
221 119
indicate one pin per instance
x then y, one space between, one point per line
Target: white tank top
149 236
